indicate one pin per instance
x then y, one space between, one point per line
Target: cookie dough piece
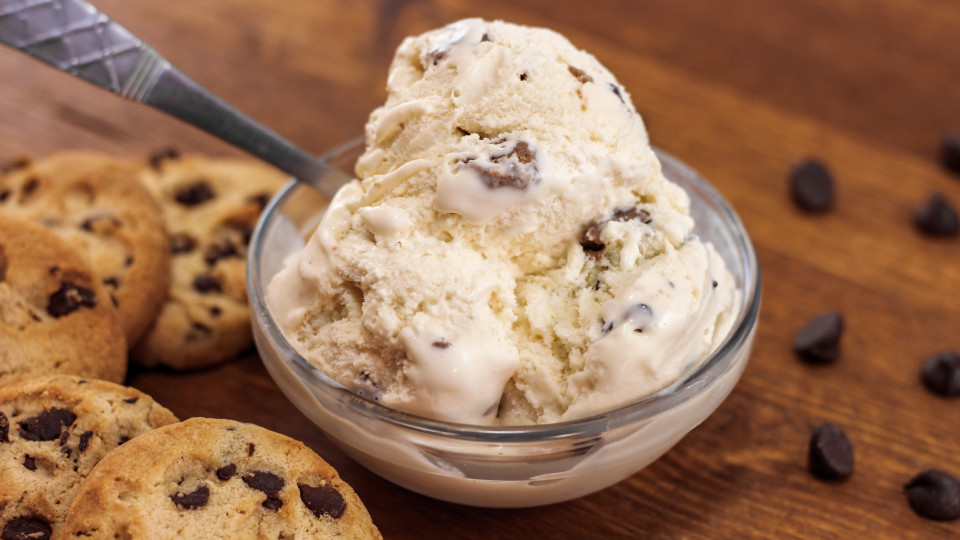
53 430
211 206
97 205
55 315
206 478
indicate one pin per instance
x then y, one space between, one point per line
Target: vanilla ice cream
511 252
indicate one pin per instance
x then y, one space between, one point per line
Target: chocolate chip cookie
53 430
206 478
55 314
97 205
211 206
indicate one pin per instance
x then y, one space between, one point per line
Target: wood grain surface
740 90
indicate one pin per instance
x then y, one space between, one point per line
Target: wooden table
738 89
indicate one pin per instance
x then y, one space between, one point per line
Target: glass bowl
498 466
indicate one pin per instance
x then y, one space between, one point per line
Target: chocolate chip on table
580 75
830 455
29 463
46 426
934 495
268 483
27 528
950 152
227 471
322 500
811 186
69 298
819 341
193 500
941 374
4 428
937 217
84 440
193 194
205 283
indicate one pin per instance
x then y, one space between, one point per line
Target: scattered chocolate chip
607 326
113 300
123 439
69 298
434 57
112 281
27 528
3 264
215 311
30 186
934 495
14 164
84 440
514 169
941 374
4 428
322 500
441 343
199 331
616 90
193 194
250 448
220 250
714 284
132 400
819 341
193 500
205 283
590 238
128 261
523 76
936 217
227 471
261 199
811 186
484 37
29 463
182 243
950 152
268 483
4 195
167 154
47 425
64 435
580 75
91 223
830 454
523 152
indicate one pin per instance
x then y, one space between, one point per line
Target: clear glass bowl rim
692 383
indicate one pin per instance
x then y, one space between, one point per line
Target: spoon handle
75 37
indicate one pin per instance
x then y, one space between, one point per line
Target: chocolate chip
523 76
4 195
934 495
819 341
811 186
193 194
205 283
182 243
830 454
17 163
936 217
84 440
434 57
30 186
199 331
123 439
514 169
91 223
941 374
112 281
3 264
227 471
590 238
69 298
322 500
128 261
215 311
484 37
29 463
250 448
220 250
616 90
268 483
523 152
580 75
132 400
167 154
950 152
441 344
26 528
193 500
47 425
64 435
261 199
4 428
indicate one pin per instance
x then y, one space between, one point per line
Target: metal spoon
75 37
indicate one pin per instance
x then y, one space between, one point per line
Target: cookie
206 478
98 206
55 315
211 206
53 430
